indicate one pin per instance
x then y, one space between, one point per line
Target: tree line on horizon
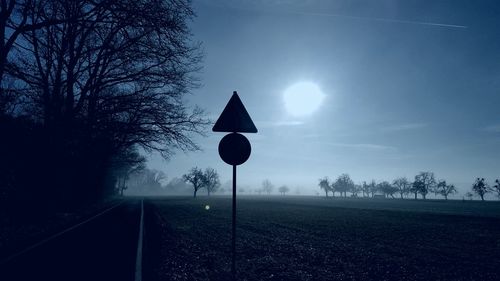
423 184
210 181
152 182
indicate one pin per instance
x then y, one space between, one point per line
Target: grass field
312 238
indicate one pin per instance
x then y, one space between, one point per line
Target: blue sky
409 86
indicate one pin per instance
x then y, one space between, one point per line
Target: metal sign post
233 232
234 149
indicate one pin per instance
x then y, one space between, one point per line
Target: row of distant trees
423 184
145 181
267 188
152 182
199 179
209 180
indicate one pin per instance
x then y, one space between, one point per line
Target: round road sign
234 149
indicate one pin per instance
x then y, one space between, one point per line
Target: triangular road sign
234 118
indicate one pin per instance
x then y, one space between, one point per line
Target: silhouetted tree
211 180
267 186
343 184
445 189
403 186
101 78
283 189
372 187
333 188
387 189
324 183
424 183
125 165
496 187
480 187
122 73
469 195
356 188
196 178
415 187
365 188
16 21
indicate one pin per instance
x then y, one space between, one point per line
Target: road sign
234 118
234 149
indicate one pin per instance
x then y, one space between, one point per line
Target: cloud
312 136
404 127
267 124
368 146
288 123
492 128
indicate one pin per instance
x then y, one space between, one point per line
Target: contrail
383 19
436 24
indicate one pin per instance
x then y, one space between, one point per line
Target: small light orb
207 207
303 98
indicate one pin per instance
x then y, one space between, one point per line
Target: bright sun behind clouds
303 98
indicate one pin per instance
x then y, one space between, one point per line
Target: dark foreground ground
319 239
279 238
102 246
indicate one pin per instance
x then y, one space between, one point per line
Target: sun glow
303 98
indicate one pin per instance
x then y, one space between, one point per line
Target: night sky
406 86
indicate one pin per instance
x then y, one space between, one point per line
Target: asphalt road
104 248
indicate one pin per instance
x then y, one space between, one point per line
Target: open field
312 238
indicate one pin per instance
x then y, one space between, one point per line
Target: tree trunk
194 194
446 197
415 196
424 195
401 195
326 194
482 197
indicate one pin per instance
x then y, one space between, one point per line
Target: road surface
103 248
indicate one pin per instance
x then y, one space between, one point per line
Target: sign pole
234 149
233 245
